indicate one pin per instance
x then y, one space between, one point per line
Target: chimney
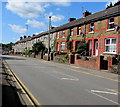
21 38
86 13
71 19
24 37
52 27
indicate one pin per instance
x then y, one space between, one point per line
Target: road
59 84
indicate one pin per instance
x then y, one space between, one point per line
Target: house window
71 32
63 34
91 27
79 31
58 35
63 46
111 23
110 45
53 36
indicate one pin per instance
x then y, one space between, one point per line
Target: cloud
35 24
26 9
111 1
17 29
55 18
62 3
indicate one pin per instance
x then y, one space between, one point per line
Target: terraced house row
101 31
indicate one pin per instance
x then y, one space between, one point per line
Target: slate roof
110 12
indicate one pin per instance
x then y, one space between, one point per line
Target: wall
92 64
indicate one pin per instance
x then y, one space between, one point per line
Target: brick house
101 31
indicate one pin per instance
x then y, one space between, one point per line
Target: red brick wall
92 64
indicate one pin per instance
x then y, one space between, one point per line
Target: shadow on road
10 97
11 58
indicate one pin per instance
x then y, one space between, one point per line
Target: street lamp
49 38
26 34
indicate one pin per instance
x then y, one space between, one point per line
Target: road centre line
62 76
105 92
59 66
102 97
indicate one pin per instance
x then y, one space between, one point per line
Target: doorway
96 47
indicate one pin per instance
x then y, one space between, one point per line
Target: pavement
9 94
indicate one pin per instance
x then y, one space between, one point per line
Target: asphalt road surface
59 84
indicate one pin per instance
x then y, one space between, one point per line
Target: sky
14 16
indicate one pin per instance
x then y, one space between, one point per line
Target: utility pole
26 34
49 38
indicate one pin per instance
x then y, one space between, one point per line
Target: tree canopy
38 47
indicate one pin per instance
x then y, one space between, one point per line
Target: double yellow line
33 101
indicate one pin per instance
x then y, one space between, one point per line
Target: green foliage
66 56
7 47
38 47
82 46
67 40
27 51
62 52
46 50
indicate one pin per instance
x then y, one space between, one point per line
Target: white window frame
110 45
63 34
109 23
62 45
71 32
92 27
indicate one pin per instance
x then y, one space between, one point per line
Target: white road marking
70 79
62 76
103 97
112 90
106 92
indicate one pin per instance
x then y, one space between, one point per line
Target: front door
96 47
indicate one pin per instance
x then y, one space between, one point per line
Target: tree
7 47
38 47
82 46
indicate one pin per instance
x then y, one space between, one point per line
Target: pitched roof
110 12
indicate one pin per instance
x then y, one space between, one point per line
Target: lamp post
49 38
26 34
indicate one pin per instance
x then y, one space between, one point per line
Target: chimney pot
71 19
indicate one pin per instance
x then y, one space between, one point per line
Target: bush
27 51
62 52
82 47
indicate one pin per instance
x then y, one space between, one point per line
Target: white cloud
17 29
55 18
35 24
62 3
111 1
26 9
